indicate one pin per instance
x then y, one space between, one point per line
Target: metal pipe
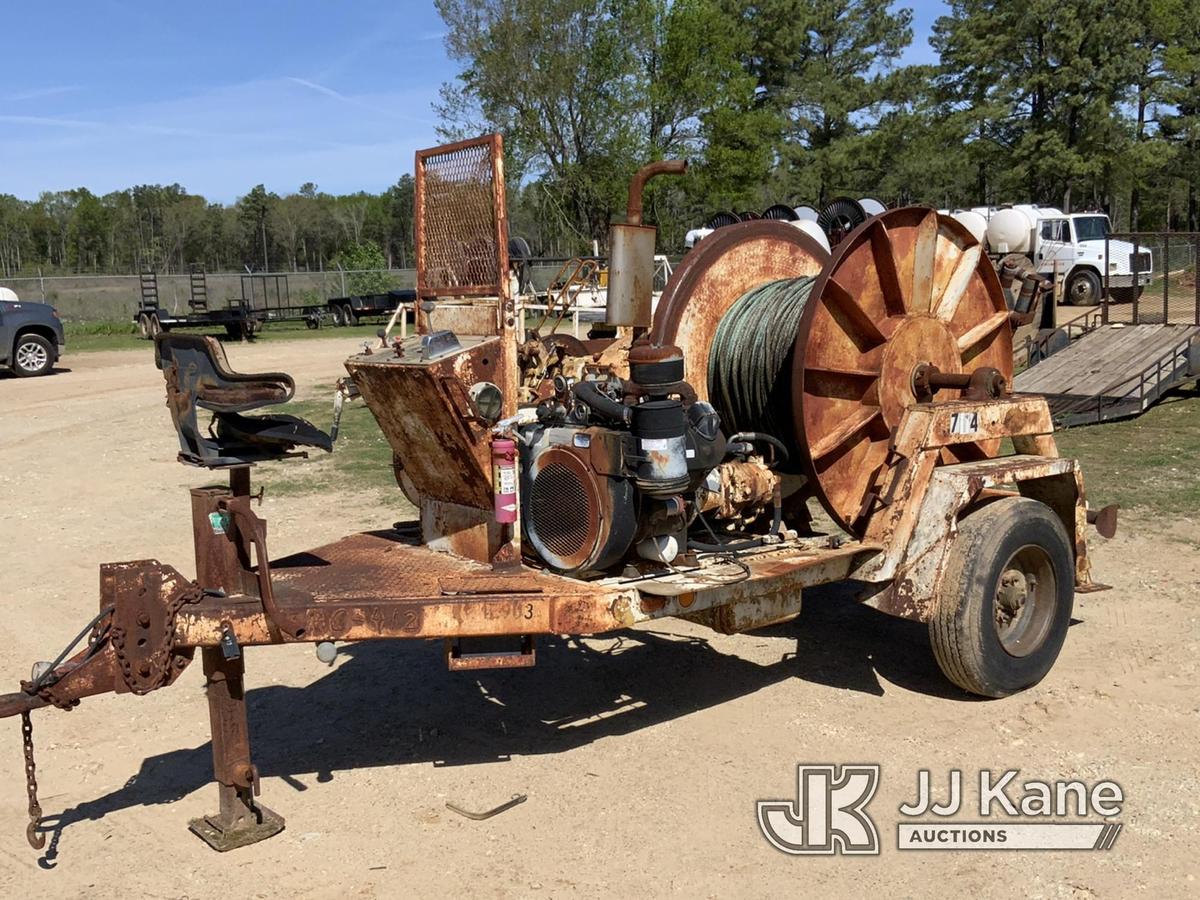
633 212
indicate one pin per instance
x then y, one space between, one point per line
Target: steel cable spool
750 361
906 288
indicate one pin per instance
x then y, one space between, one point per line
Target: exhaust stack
631 253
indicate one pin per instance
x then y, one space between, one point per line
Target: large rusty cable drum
906 288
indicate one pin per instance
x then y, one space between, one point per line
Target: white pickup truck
1071 244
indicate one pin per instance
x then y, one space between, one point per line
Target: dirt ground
642 753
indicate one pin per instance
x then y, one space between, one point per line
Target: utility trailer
581 487
237 318
269 296
351 310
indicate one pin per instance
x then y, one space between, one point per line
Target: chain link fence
1163 266
93 298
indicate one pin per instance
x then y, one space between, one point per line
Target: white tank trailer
1071 245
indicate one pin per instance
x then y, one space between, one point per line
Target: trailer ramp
1114 371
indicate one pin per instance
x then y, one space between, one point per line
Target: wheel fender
955 492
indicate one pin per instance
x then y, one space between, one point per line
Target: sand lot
642 753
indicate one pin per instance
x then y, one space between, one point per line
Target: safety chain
155 671
33 834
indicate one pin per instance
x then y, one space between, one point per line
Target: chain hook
33 832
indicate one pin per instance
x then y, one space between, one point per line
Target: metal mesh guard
459 247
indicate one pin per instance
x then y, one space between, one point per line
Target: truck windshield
1091 228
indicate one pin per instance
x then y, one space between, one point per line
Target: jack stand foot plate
257 824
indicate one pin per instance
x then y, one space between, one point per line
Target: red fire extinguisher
504 479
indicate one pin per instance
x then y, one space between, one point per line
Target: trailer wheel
1005 600
335 313
143 323
155 327
348 315
1084 288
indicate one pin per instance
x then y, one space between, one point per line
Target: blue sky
219 96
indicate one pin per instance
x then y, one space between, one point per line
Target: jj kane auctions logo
829 814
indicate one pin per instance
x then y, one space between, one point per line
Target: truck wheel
155 327
32 355
1004 604
348 315
1083 289
144 326
335 313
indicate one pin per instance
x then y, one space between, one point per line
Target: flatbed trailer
236 318
351 310
269 296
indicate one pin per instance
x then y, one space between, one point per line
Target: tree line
166 229
1081 104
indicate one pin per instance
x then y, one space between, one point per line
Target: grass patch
1150 463
361 459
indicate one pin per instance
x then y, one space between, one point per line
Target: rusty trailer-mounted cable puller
577 487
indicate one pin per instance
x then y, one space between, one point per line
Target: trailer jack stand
240 820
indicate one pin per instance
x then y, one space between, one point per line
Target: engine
617 470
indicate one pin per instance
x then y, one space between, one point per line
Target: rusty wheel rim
716 273
905 287
1026 596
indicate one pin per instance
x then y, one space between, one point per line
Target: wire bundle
750 362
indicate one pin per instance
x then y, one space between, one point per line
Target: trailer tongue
570 487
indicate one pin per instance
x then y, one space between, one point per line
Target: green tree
366 264
1180 124
1041 82
826 68
254 210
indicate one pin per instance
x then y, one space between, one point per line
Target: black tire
980 642
348 315
155 327
335 313
32 355
144 326
1084 288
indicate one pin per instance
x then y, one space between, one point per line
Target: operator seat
198 377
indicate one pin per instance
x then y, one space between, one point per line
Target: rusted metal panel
461 223
375 585
915 571
423 410
769 607
772 572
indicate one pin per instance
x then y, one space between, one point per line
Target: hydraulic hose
587 393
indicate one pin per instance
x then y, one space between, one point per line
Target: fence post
1166 273
1195 278
1105 300
42 284
1134 275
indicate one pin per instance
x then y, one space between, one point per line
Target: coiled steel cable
750 362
